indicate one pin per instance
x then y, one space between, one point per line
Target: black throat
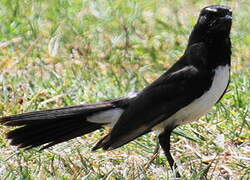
219 52
218 46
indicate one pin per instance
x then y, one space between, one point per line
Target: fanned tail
50 127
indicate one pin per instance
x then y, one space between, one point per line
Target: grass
61 52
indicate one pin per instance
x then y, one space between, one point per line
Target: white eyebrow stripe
211 9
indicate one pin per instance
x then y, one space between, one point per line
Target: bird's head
213 23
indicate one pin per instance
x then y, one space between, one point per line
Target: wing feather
175 89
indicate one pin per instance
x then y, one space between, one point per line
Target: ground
64 52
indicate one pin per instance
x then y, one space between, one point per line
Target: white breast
204 103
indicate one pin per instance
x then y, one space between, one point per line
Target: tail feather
37 117
59 136
50 127
32 136
45 127
73 134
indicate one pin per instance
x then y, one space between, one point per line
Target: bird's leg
155 154
164 140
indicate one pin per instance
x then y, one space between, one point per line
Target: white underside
187 114
203 104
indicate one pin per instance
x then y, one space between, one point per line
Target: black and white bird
183 94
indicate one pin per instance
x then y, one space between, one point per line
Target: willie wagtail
183 94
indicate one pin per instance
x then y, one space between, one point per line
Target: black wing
173 90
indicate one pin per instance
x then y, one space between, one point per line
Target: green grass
65 52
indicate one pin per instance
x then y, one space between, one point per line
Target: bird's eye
202 19
207 17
